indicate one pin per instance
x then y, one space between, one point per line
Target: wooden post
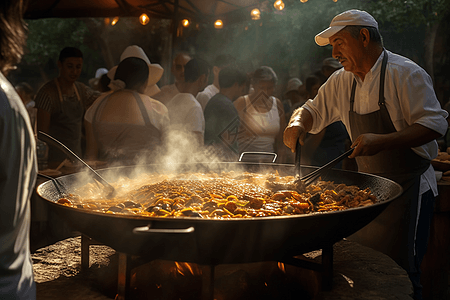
85 242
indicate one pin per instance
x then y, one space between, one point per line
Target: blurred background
281 35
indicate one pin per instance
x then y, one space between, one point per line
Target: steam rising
180 153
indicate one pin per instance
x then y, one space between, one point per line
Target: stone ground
359 273
57 271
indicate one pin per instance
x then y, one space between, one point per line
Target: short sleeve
47 98
195 120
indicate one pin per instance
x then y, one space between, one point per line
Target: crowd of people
363 97
126 118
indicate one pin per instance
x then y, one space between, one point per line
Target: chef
389 107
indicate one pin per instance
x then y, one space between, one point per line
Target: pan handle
147 229
258 153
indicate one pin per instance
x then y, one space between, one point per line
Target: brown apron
66 125
393 231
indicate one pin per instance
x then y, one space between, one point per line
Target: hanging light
114 21
303 1
185 22
279 4
144 19
256 14
218 24
335 0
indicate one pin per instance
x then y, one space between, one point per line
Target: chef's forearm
413 136
299 124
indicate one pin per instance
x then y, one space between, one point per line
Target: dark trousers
423 232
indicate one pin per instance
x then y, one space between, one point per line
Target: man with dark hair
61 104
17 164
221 117
185 113
70 52
390 109
221 61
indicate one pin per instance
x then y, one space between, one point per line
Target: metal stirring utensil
51 140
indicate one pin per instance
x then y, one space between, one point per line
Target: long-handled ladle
110 191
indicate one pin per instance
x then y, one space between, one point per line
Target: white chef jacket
18 168
409 98
204 96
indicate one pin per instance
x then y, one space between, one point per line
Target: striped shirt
47 98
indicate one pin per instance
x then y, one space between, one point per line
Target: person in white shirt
18 164
262 117
169 91
187 123
221 61
389 107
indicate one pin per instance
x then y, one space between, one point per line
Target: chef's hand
299 125
292 133
368 144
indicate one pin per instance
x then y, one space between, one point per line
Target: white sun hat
155 71
349 17
99 73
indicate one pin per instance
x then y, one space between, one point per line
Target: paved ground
359 273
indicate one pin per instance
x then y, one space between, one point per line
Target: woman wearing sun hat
126 125
155 71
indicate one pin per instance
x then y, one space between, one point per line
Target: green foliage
279 39
285 39
409 13
46 38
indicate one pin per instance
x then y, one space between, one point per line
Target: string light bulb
279 4
218 24
335 0
303 1
256 14
114 21
144 19
185 22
